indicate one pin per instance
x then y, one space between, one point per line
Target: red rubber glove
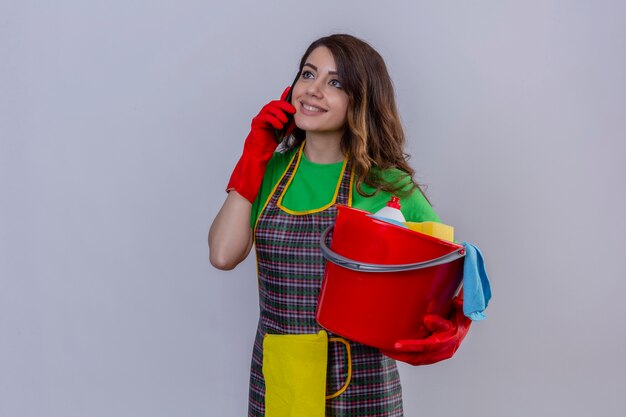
260 145
441 344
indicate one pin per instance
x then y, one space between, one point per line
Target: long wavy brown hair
374 136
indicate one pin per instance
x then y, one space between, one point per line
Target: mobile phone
280 134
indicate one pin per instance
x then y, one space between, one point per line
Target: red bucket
381 279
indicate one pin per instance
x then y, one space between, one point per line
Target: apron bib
290 269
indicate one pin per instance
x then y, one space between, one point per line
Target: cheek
342 105
297 91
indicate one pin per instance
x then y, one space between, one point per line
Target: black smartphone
280 134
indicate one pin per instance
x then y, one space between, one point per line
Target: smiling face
318 96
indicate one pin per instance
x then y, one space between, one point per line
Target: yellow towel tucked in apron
294 368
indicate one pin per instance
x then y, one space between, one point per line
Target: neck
323 149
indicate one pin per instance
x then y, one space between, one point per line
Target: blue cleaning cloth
476 288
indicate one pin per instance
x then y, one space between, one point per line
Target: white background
120 122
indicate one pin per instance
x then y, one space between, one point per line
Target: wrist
248 174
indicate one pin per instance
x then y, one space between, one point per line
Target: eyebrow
315 68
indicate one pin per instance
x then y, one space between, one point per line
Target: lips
312 109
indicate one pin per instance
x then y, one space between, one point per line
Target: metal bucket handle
367 267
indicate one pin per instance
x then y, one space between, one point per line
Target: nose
314 88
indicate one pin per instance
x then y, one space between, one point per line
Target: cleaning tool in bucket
381 280
391 213
440 230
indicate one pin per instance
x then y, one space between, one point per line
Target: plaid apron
290 268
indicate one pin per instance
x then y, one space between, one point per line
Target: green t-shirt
313 186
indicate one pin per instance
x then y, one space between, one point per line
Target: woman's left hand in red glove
441 344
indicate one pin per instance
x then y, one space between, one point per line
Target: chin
300 124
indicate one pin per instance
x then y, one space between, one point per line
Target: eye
307 74
336 83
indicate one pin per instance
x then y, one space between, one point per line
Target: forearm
230 235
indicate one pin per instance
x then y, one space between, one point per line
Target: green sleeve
275 168
414 206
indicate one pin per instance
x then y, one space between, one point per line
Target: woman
342 142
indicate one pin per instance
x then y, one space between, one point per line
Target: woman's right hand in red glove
230 236
260 145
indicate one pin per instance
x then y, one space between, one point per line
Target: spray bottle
391 213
